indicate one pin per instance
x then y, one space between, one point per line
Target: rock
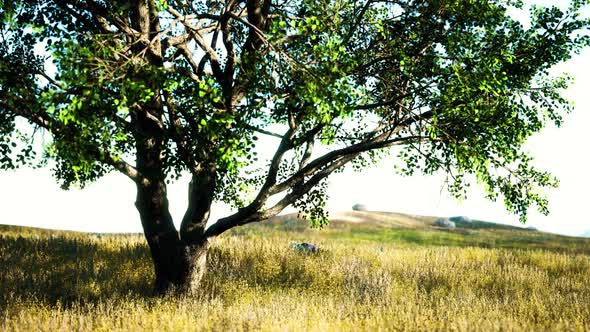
359 207
305 247
444 222
532 228
460 219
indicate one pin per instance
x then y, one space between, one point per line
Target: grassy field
376 272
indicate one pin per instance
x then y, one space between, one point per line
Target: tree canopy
156 89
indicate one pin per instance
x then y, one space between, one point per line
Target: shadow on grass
57 269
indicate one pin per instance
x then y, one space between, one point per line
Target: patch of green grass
475 234
365 277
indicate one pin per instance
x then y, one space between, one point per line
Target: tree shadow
58 269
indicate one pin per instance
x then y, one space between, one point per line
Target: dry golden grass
366 277
372 218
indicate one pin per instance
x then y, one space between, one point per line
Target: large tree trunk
194 267
179 268
179 261
179 264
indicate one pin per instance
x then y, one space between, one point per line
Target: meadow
367 276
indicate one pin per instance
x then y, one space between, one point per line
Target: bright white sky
32 197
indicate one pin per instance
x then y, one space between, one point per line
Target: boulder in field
444 222
359 207
305 247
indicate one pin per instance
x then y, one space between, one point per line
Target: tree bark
179 264
194 267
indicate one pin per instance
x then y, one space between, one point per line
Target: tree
189 86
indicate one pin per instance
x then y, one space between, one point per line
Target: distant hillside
414 230
586 234
394 219
370 218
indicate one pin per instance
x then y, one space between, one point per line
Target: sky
32 197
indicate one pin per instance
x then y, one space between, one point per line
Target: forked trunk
179 264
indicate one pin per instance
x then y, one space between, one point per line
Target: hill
410 230
374 271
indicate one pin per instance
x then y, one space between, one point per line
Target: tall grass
71 281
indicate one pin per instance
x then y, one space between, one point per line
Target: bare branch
175 131
230 62
307 154
196 35
201 68
260 130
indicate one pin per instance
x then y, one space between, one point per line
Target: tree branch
175 132
260 130
245 216
44 121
